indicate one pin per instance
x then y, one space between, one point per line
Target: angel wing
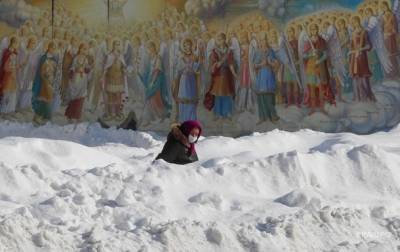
335 54
101 56
396 11
286 56
174 59
210 48
235 47
128 52
3 46
303 39
144 60
375 34
164 55
253 47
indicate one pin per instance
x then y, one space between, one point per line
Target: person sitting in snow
179 148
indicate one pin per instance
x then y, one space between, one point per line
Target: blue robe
187 93
40 107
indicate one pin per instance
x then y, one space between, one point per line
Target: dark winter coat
177 149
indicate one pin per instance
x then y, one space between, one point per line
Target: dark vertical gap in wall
52 19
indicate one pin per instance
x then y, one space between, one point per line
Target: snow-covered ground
89 189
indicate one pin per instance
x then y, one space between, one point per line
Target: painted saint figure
293 93
8 78
156 90
115 82
316 71
186 91
344 38
245 99
390 32
42 90
266 83
78 85
222 78
28 59
359 68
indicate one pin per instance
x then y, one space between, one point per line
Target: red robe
359 66
222 80
4 75
321 71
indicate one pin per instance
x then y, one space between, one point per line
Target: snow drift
278 191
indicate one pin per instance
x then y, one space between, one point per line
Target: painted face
84 50
220 41
314 30
32 43
136 42
355 22
14 43
290 33
187 47
117 46
52 48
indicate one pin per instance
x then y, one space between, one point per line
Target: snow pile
278 191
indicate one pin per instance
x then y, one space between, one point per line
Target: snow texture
88 189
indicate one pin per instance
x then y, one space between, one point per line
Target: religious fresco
238 66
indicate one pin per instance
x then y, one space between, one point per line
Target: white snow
90 189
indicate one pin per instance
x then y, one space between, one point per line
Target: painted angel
245 100
313 54
95 90
287 54
378 58
156 93
115 82
265 61
28 59
187 84
78 84
336 59
359 67
391 22
223 75
8 77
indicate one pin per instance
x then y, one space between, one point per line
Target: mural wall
238 66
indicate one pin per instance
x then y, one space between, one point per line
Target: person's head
83 49
291 33
341 23
51 47
187 46
117 47
368 12
326 25
192 130
152 48
356 21
385 7
136 41
221 40
31 43
314 29
14 43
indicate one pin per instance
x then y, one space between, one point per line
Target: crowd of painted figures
176 62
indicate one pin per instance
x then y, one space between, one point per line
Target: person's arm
187 159
169 152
